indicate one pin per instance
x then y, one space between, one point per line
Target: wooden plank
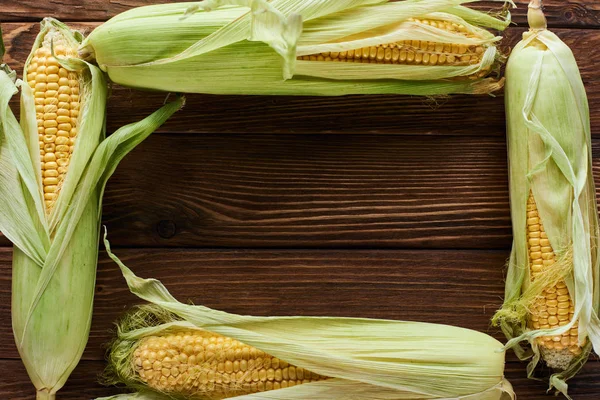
465 287
311 191
571 13
15 385
272 191
455 115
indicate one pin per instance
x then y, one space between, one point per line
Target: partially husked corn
411 47
53 296
57 104
550 311
192 363
170 350
55 164
554 307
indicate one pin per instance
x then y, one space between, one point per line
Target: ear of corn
176 350
293 47
53 168
552 291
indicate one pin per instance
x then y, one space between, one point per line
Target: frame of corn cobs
58 162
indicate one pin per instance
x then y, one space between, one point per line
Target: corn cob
65 304
54 165
196 362
552 292
409 47
171 350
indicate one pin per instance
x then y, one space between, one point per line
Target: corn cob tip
45 394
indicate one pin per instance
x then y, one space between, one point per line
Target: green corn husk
252 46
549 144
366 359
55 253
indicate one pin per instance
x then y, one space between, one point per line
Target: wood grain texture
271 191
396 115
570 13
311 191
468 285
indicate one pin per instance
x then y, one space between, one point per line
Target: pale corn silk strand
366 358
581 277
230 36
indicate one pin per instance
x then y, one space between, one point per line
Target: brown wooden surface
299 191
382 206
312 191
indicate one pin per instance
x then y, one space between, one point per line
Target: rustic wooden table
389 207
